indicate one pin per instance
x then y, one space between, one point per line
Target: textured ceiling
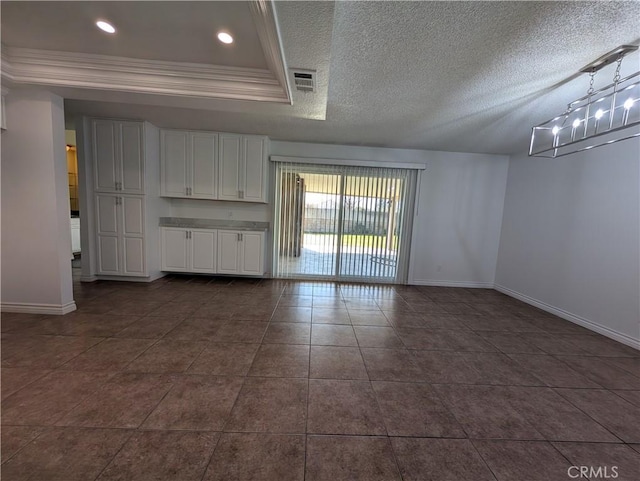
449 75
156 30
457 76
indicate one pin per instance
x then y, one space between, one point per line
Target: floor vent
304 80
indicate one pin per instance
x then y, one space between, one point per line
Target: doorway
74 200
342 222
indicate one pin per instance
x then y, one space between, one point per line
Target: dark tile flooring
198 378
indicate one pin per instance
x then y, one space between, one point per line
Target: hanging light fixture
587 121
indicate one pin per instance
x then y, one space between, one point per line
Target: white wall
459 209
36 233
218 209
570 237
458 220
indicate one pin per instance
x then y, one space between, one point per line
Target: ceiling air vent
304 80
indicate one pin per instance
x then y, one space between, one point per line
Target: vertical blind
342 222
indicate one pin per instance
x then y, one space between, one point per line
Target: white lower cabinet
120 235
212 251
252 249
241 252
175 249
202 256
228 252
188 250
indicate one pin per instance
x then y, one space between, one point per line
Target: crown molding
91 71
266 22
104 72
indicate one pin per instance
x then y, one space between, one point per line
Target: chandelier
601 117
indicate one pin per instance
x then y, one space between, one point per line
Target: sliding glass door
342 222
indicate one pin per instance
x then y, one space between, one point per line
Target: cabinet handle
190 191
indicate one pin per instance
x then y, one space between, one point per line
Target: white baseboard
581 321
482 285
149 278
27 308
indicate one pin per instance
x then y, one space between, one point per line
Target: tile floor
198 378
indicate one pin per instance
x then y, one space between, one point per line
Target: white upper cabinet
104 155
253 169
173 161
131 157
243 168
204 165
118 155
189 164
230 163
207 165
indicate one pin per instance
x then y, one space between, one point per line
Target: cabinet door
204 165
104 155
252 254
174 248
108 238
132 215
229 159
108 255
228 252
107 213
173 163
203 250
131 163
254 171
133 256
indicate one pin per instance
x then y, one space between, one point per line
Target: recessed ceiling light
105 26
224 37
